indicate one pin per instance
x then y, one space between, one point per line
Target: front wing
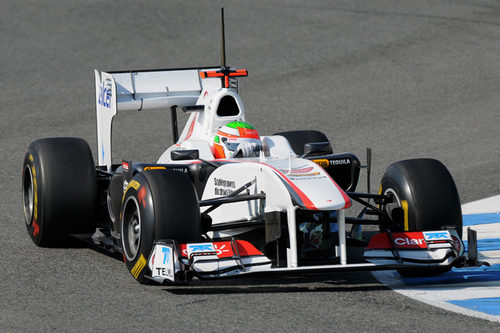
172 262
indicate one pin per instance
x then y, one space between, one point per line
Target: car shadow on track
350 282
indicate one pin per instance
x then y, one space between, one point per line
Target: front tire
425 198
157 205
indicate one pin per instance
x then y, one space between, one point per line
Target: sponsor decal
324 163
200 247
402 240
134 184
105 93
154 168
304 174
437 235
300 172
138 267
340 162
222 249
248 132
184 170
163 262
223 186
207 250
141 194
125 166
36 228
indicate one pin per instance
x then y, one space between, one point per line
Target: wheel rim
110 208
131 229
28 195
395 210
395 204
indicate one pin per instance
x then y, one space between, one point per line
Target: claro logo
408 241
105 91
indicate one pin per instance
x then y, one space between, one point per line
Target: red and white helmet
236 138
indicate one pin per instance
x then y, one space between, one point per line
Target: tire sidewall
34 222
138 193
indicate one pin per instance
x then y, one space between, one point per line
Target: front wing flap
422 248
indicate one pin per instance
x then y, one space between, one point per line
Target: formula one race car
223 201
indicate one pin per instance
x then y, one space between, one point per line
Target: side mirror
181 155
316 148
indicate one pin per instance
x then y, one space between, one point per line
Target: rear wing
143 90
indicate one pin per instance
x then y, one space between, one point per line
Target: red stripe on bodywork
191 127
347 200
307 202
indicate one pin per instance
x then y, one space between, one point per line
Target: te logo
105 94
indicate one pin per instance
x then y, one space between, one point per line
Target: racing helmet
229 138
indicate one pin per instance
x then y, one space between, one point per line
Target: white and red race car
281 210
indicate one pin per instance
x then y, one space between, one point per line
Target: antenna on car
224 73
223 38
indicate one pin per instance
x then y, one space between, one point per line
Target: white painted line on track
488 205
472 291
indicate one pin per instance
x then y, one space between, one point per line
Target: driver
236 139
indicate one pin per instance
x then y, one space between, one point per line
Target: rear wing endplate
143 90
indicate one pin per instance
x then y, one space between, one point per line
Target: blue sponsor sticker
437 235
105 93
202 247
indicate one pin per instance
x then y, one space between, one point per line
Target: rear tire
425 199
157 205
59 190
298 139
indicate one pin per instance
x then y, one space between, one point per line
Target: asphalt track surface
407 78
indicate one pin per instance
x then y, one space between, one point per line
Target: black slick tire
157 204
429 191
59 187
425 198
